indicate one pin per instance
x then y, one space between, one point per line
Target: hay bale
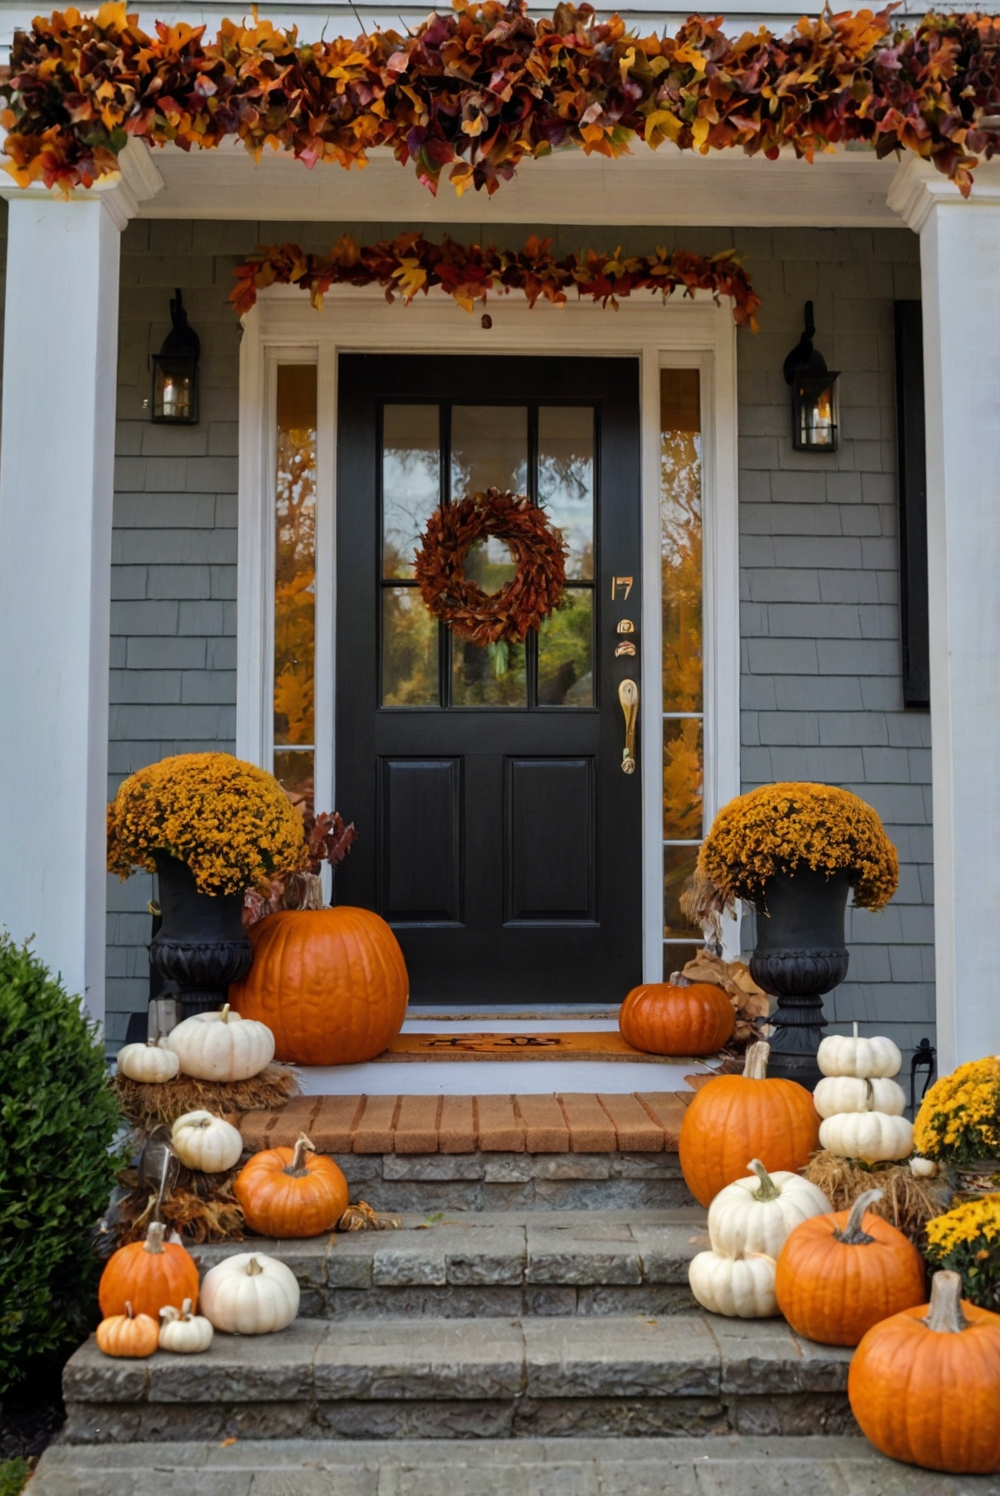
907 1202
145 1106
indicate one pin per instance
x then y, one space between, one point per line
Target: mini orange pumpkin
840 1274
736 1117
330 984
150 1274
925 1384
291 1192
660 1018
128 1334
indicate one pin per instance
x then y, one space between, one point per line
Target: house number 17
617 583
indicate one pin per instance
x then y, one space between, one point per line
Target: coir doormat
541 1046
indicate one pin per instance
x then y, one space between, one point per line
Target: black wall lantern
175 371
815 397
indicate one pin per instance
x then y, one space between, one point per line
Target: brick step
496 1264
468 1378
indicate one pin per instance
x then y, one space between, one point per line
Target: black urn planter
799 957
201 945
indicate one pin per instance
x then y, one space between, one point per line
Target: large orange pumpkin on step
659 1018
738 1117
838 1275
148 1275
925 1384
330 984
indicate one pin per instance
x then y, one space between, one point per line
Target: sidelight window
683 704
294 717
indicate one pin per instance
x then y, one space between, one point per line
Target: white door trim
680 333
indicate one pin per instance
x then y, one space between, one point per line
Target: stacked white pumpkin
210 1046
860 1103
748 1222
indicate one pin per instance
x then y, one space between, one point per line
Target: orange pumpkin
736 1117
128 1334
330 984
148 1274
662 1019
925 1384
840 1274
291 1191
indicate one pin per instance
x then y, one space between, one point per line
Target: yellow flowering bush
231 822
967 1240
959 1118
781 827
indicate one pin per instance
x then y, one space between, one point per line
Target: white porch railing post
56 486
960 277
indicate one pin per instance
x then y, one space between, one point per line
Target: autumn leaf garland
481 88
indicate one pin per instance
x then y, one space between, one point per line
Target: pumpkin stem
944 1314
186 1309
224 1015
756 1062
852 1233
129 1311
253 1268
855 1028
154 1237
297 1167
768 1189
168 1313
869 1096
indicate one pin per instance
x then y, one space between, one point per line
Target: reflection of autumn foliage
682 786
681 547
295 587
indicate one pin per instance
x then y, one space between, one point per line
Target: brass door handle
628 695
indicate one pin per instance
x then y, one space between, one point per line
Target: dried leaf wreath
534 592
481 88
470 273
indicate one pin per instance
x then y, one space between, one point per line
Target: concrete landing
530 1467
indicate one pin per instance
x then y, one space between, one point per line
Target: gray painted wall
821 693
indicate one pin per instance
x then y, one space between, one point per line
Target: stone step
468 1378
737 1466
498 1264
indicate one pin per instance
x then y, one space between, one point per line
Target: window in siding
683 706
295 582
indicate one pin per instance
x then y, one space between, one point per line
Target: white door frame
683 332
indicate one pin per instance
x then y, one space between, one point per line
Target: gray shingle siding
820 696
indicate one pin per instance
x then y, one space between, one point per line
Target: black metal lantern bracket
175 371
815 417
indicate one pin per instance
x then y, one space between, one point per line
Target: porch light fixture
175 371
815 397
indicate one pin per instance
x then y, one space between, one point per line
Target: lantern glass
175 389
815 410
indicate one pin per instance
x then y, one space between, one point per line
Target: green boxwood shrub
58 1123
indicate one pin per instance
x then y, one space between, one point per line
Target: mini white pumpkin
757 1213
849 1093
221 1046
202 1141
740 1287
250 1294
150 1063
873 1136
840 1054
923 1168
184 1333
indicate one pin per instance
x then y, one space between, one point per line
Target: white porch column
960 276
60 364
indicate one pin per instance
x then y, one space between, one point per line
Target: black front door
499 835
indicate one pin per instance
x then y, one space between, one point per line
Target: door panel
497 832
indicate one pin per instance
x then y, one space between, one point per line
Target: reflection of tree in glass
295 586
564 653
565 493
681 555
409 649
682 780
410 494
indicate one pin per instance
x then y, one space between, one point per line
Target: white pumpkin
202 1141
842 1055
250 1294
873 1136
150 1063
741 1287
849 1093
757 1213
923 1168
221 1046
184 1333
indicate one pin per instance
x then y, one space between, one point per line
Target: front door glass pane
566 652
490 676
411 482
410 671
566 480
489 449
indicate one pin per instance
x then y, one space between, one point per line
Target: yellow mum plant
967 1240
781 827
231 822
959 1118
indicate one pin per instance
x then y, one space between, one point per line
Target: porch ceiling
847 189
